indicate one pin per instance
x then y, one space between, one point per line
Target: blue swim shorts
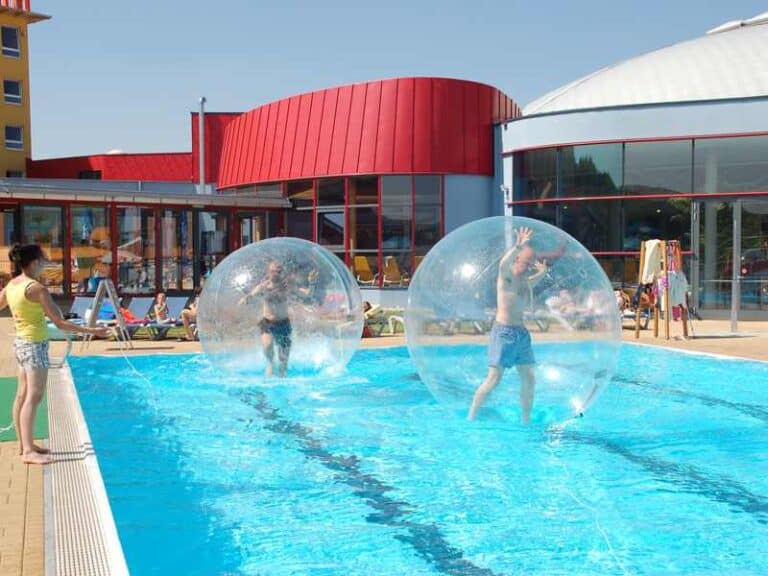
509 346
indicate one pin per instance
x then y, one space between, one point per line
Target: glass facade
613 196
136 250
43 225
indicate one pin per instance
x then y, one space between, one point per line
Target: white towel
652 264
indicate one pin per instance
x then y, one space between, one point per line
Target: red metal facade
173 167
399 126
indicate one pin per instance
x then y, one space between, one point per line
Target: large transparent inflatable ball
280 307
512 318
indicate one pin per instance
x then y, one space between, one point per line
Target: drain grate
79 524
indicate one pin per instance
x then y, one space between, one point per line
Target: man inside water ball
275 324
510 343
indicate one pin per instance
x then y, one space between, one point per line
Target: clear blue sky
125 75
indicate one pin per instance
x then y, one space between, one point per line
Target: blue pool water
366 474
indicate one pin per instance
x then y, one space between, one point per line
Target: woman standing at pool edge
30 302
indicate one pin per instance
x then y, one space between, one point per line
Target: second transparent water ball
524 298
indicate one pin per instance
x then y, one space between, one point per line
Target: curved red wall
399 126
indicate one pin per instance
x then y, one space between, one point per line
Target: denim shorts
509 346
31 354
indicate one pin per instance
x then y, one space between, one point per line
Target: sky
124 75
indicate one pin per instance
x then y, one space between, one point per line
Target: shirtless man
510 341
275 324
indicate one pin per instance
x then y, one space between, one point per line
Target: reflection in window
594 224
330 192
91 250
428 213
594 170
731 164
136 250
299 218
8 237
258 226
363 228
43 225
212 240
177 250
14 138
669 219
535 174
12 91
330 230
658 167
545 211
10 41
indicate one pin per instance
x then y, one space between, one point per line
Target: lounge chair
392 273
139 307
363 271
176 304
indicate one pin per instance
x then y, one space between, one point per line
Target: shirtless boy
275 323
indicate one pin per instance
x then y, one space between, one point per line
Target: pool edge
80 532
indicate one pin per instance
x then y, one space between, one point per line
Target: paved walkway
21 487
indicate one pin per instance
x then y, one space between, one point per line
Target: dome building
671 144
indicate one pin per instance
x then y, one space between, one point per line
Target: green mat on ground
7 394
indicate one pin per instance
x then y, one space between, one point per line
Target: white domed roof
731 61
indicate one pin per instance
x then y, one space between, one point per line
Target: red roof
404 125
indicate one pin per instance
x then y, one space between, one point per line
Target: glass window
658 167
428 212
301 193
395 229
136 250
594 223
8 237
14 173
330 229
212 240
257 226
396 190
731 164
43 225
177 254
11 41
330 192
363 190
14 138
91 247
668 219
535 174
594 170
89 175
12 91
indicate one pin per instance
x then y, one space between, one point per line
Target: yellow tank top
28 316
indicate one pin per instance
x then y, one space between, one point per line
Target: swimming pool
365 474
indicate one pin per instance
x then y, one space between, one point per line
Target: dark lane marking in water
426 539
690 479
753 410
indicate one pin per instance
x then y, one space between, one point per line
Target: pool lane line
688 478
753 410
426 539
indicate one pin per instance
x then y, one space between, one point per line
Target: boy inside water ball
510 343
275 324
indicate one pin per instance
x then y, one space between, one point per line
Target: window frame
10 51
9 97
10 143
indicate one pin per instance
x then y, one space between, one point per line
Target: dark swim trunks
280 329
509 346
